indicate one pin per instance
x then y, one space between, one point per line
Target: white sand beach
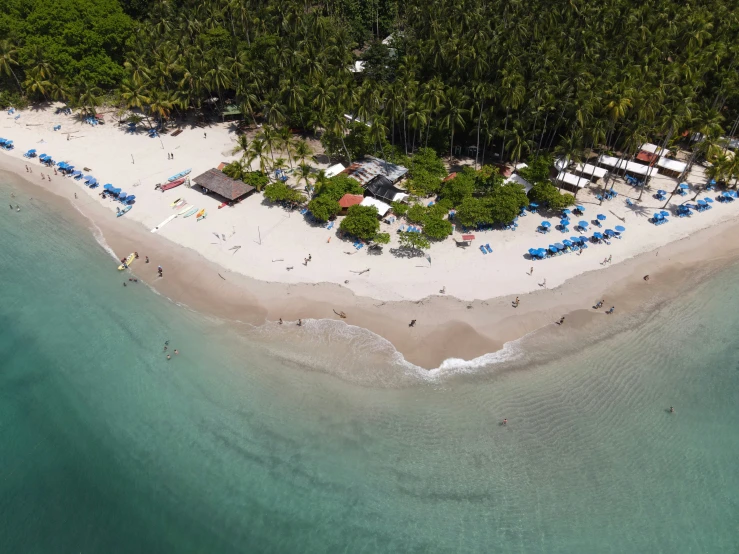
473 318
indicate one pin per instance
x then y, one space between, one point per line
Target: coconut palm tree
454 114
301 151
9 58
303 173
242 146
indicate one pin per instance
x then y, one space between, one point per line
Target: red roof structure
647 157
449 177
350 200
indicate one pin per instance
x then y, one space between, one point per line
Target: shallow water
253 444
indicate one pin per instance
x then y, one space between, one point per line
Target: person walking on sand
147 259
609 312
531 271
412 323
205 135
544 284
646 278
610 258
561 320
75 196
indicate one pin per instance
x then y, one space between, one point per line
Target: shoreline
449 328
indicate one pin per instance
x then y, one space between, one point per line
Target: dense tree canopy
511 79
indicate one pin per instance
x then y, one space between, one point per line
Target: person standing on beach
147 259
412 323
205 135
646 278
610 258
561 320
531 271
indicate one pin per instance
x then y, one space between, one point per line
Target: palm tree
35 83
303 173
285 136
302 150
242 146
160 105
454 115
8 58
257 150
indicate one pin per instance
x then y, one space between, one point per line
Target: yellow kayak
173 204
129 261
200 213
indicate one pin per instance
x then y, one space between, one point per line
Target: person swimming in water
505 421
672 410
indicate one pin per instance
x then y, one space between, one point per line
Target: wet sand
446 327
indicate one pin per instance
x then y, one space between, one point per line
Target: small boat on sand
184 209
129 260
173 204
191 211
173 184
163 223
179 175
123 211
202 214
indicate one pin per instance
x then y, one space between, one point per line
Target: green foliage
426 170
323 207
461 187
473 211
359 141
361 222
437 228
547 195
72 40
399 208
538 169
382 238
505 203
416 214
414 241
379 65
338 186
281 192
257 179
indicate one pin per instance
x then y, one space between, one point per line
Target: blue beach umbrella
533 251
709 200
583 224
609 232
620 228
657 215
567 242
684 186
574 239
546 224
664 213
579 207
701 203
600 217
565 211
553 248
564 222
559 245
533 205
597 235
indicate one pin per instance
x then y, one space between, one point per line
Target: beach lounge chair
487 247
482 249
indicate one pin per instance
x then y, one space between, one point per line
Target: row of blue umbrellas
574 241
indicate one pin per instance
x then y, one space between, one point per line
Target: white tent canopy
334 170
631 167
516 178
574 180
651 148
382 208
591 171
672 165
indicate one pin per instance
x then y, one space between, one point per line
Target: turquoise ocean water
236 447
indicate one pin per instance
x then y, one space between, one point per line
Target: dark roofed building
220 183
382 187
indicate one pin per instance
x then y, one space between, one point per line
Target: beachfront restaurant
671 168
349 200
632 168
222 185
591 172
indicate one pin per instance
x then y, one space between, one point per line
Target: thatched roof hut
220 183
